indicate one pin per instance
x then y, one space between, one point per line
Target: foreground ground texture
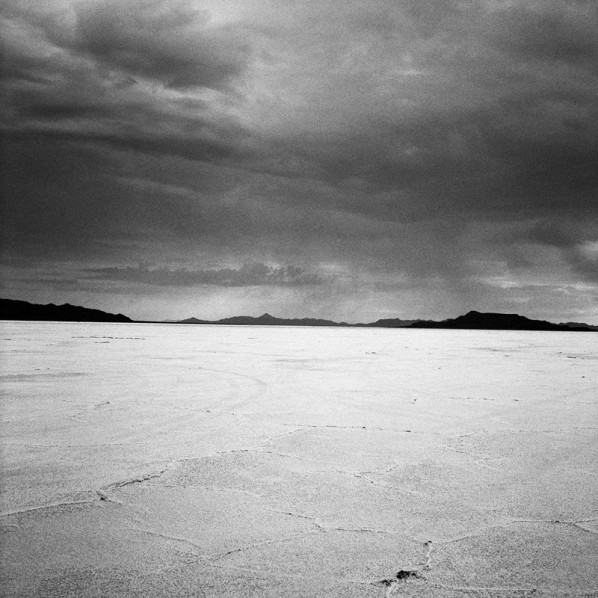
164 460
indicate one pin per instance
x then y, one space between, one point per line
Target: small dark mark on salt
407 573
401 575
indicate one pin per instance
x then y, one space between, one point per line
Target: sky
343 159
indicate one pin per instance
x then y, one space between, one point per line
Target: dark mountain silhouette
475 320
190 321
472 320
23 310
390 323
266 320
576 325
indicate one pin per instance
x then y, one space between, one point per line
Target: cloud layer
249 275
415 158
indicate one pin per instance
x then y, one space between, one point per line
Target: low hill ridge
475 320
11 309
391 323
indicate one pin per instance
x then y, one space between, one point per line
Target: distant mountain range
391 323
475 320
22 310
266 320
472 320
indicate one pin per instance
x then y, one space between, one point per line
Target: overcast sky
345 159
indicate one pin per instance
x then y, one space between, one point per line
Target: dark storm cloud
477 120
456 104
172 42
432 148
579 250
249 275
104 72
549 31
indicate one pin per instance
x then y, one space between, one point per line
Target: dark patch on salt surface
403 574
407 573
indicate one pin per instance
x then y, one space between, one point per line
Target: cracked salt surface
285 462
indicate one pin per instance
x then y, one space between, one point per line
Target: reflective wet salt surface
164 460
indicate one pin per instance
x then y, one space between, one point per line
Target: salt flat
165 460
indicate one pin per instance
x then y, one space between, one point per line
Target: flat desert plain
168 460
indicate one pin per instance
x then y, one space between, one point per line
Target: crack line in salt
48 506
219 556
337 427
529 590
333 528
212 557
